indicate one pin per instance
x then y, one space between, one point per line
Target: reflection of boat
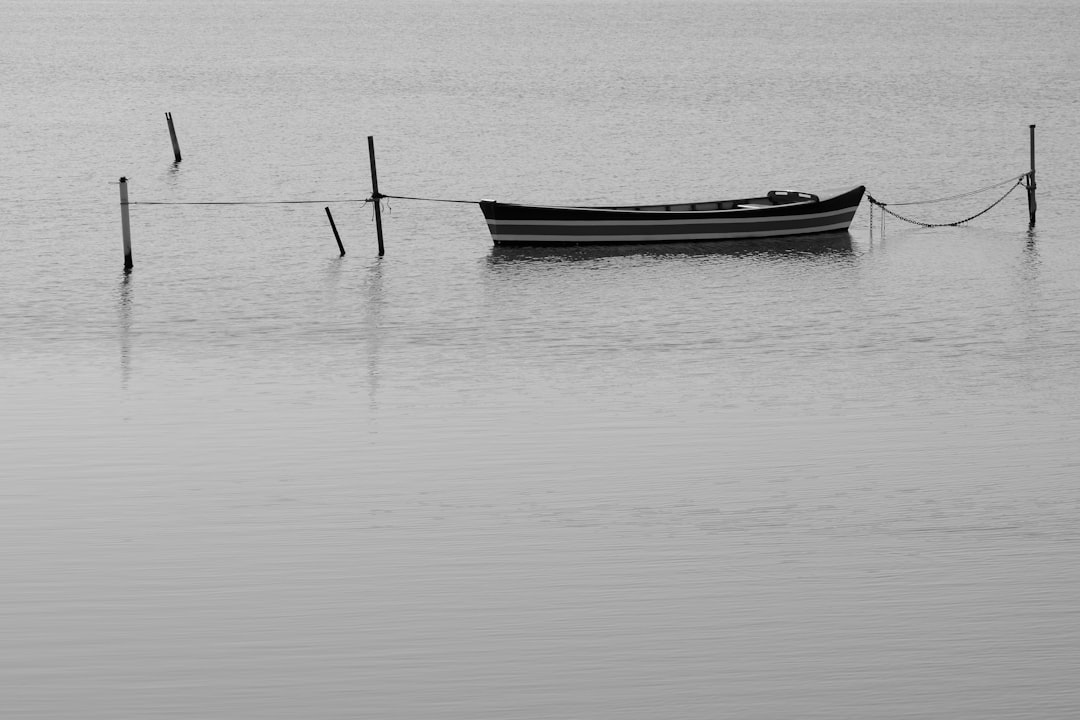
819 244
777 214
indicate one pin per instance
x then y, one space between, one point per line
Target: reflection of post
124 307
376 197
172 135
125 225
1031 181
374 299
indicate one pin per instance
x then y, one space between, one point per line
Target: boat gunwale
858 190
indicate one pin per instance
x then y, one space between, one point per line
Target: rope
379 197
247 202
303 202
964 195
406 197
1018 183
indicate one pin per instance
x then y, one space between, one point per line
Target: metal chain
885 209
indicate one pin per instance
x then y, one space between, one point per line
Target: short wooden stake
376 197
334 228
172 134
1032 205
125 224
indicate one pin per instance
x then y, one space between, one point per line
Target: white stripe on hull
662 237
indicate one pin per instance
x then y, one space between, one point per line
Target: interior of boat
775 197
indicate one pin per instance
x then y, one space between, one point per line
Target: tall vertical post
376 196
172 135
1032 206
125 225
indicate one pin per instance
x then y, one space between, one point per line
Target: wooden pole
125 224
334 228
1032 205
376 197
172 134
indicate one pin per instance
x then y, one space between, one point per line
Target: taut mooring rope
962 195
382 196
247 202
364 201
1017 182
426 199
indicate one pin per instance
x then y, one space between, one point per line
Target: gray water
253 479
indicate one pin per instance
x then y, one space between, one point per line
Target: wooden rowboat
780 213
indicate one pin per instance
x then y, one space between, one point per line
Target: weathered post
334 228
125 225
1032 206
172 135
376 197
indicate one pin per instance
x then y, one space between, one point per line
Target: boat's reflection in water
838 243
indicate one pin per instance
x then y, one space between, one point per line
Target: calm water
256 480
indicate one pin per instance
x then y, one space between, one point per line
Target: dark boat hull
514 224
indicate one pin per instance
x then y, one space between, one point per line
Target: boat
778 213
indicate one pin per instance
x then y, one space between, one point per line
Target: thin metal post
172 135
334 228
125 224
1032 205
376 197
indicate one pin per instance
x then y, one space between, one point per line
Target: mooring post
334 228
1031 181
125 225
172 135
376 197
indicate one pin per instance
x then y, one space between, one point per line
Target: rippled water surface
834 478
